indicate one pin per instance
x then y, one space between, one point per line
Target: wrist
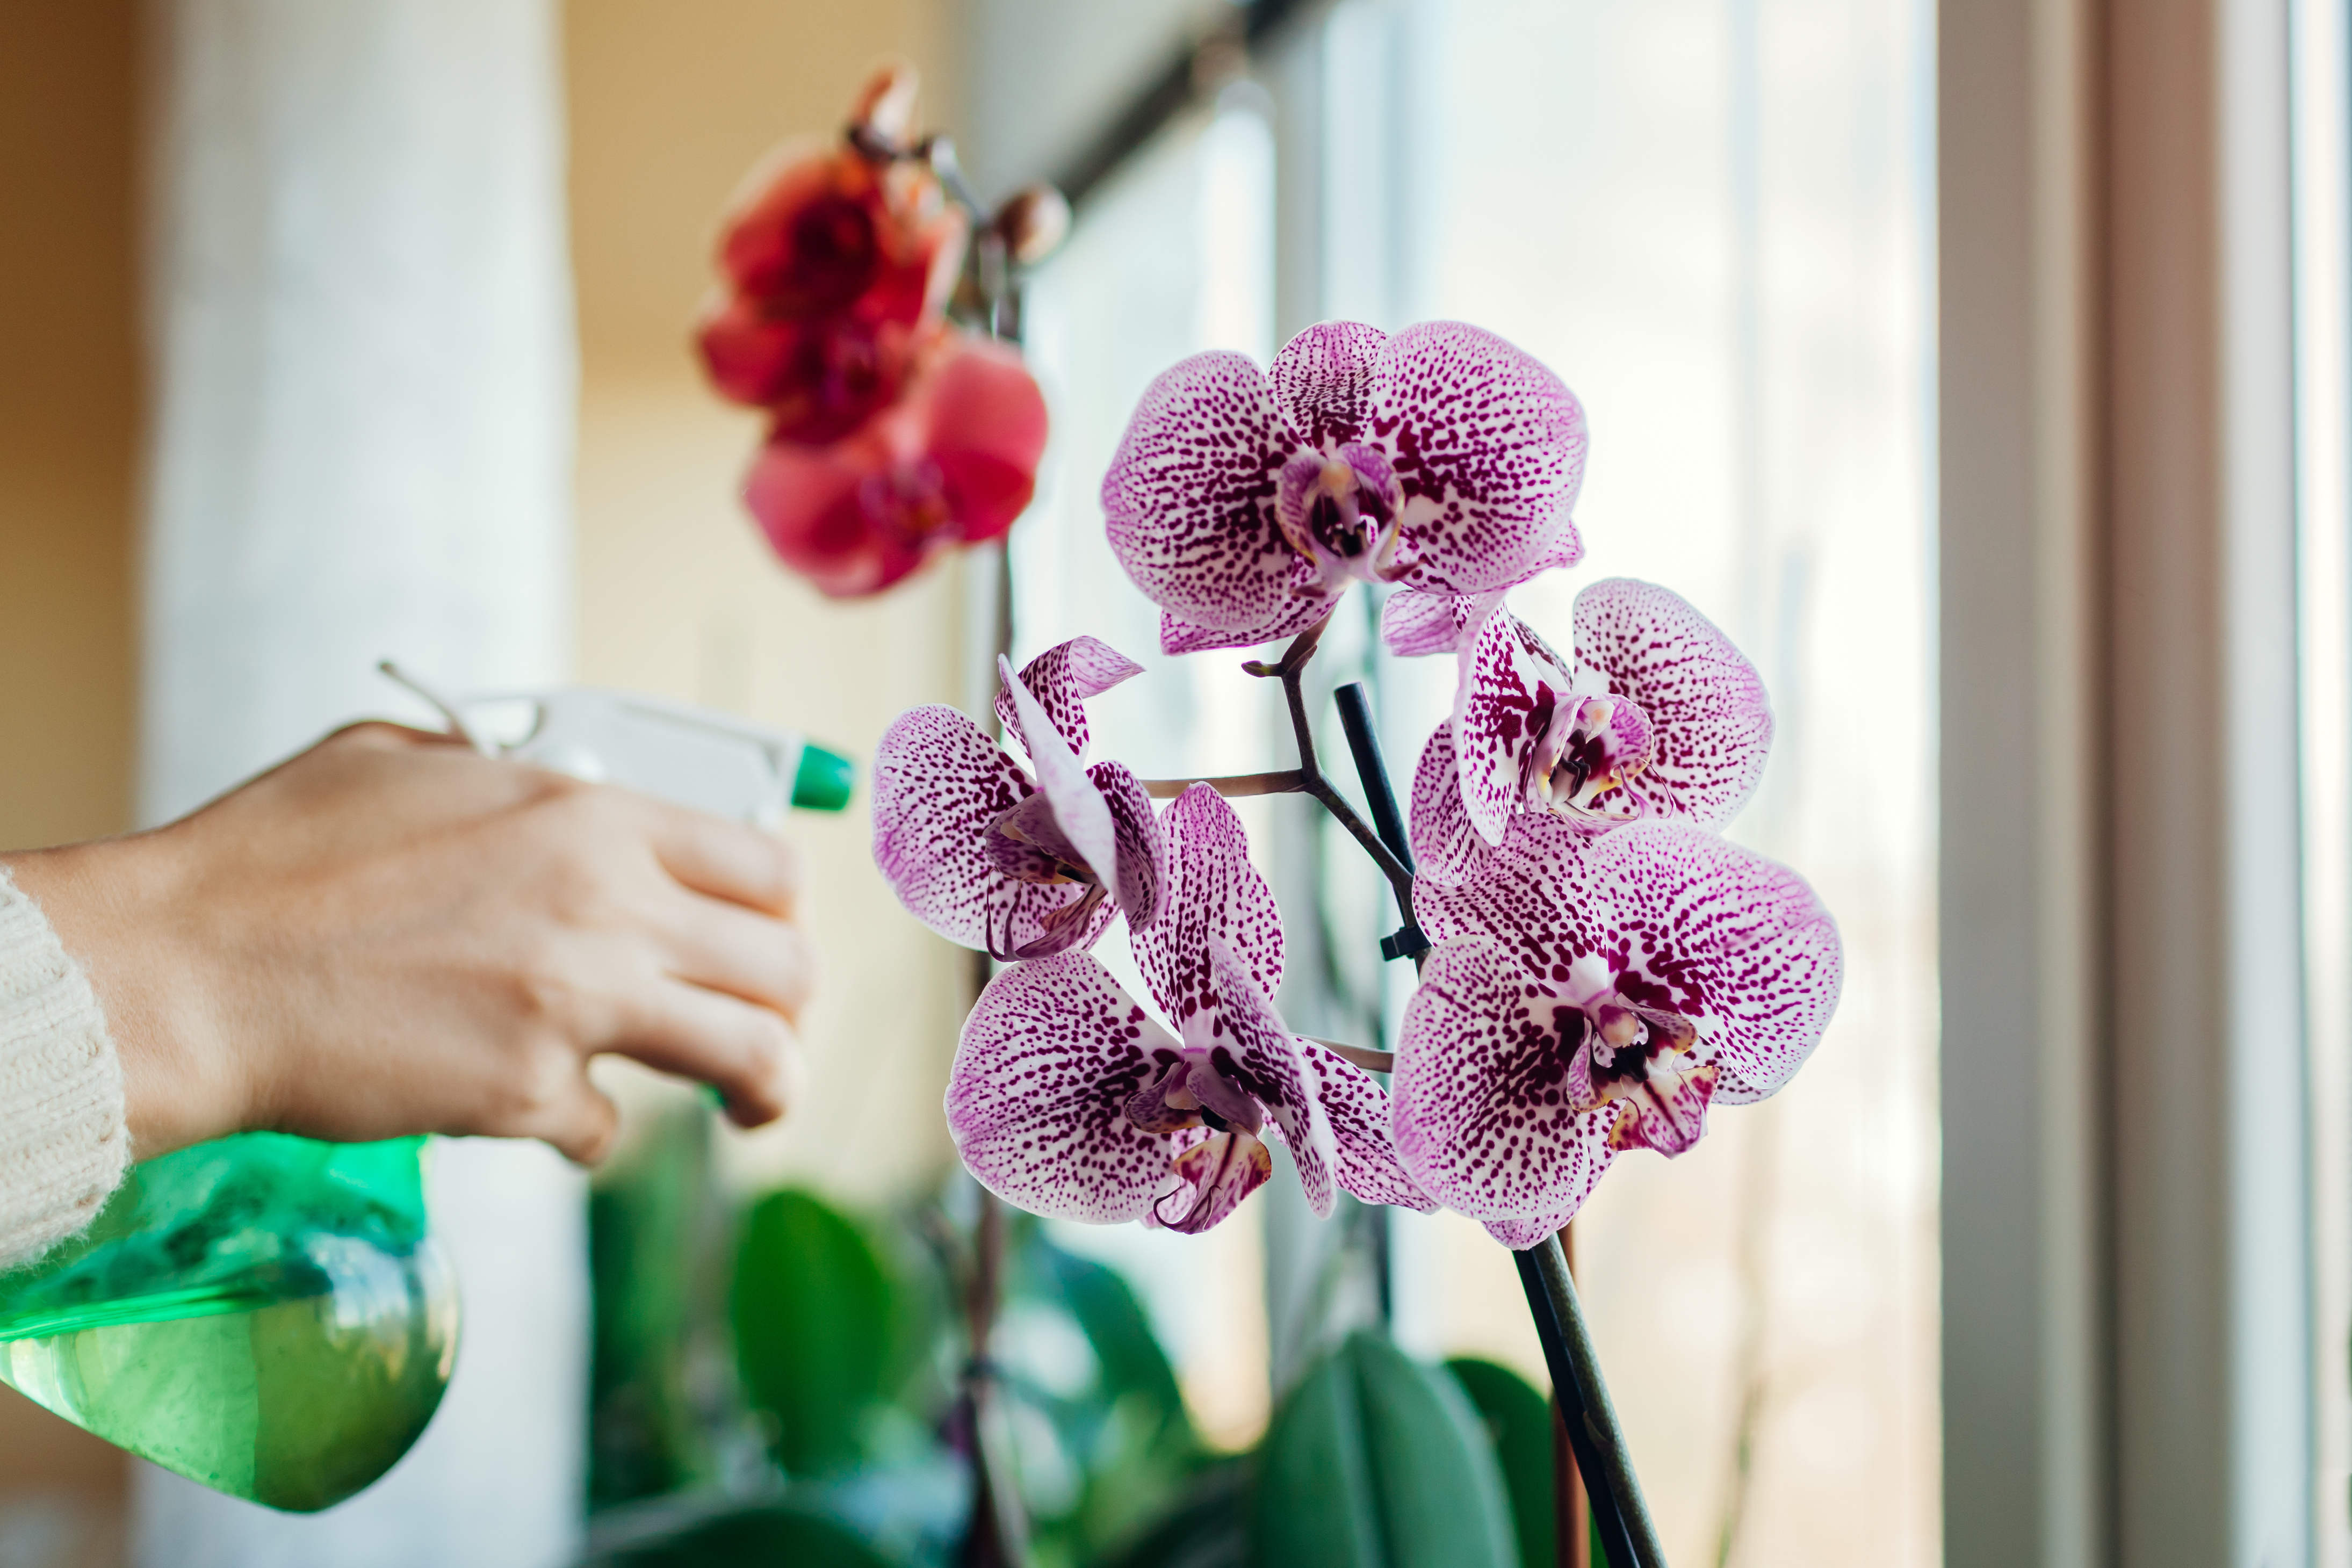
121 910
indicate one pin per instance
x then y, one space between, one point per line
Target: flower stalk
1603 1457
1619 1514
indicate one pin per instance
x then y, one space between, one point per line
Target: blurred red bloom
830 261
952 462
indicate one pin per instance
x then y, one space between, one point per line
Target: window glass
1175 257
1712 217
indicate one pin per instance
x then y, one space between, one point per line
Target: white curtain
362 448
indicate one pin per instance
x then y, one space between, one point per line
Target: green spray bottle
271 1315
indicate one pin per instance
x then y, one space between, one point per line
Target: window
1713 221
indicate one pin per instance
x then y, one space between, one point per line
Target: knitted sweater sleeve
63 1145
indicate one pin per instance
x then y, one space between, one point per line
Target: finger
727 947
584 1124
726 860
738 1049
383 735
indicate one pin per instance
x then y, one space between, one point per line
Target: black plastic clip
1407 943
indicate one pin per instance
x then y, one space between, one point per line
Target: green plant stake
1377 1461
815 1320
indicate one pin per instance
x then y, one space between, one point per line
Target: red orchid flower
832 258
953 462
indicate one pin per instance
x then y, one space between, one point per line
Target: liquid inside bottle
265 1315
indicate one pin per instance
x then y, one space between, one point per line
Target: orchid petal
1037 1098
952 461
1211 889
1272 1064
1667 1111
1445 847
939 783
985 431
1534 900
1486 1119
1142 848
1705 705
1213 1177
812 503
1153 1110
1711 931
1692 925
1079 806
1323 381
1512 685
1190 495
1359 1112
1566 551
1414 622
1061 679
1296 615
1488 447
1518 1235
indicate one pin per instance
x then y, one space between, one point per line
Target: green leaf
1202 1529
1518 1420
754 1538
655 1239
814 1313
1113 1321
1377 1461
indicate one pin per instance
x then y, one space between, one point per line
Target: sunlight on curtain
1176 258
360 447
1712 219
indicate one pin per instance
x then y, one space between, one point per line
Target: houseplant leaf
1518 1420
1377 1461
814 1313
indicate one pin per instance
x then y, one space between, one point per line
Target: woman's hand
390 934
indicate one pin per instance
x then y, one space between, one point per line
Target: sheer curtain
360 447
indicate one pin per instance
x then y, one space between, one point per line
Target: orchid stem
1620 1515
1598 1442
1373 772
996 1532
1291 669
1289 782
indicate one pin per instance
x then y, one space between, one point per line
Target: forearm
118 908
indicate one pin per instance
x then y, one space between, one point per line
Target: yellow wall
68 417
671 103
68 429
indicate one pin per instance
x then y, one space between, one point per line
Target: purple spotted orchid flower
1068 1099
991 858
1593 994
1443 459
1659 717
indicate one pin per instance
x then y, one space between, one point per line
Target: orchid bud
1033 222
885 106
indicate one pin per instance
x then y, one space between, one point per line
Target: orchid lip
1340 512
1196 1091
1591 747
1026 843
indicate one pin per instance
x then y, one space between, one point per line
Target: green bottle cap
821 781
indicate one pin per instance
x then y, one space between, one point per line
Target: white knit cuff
63 1144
